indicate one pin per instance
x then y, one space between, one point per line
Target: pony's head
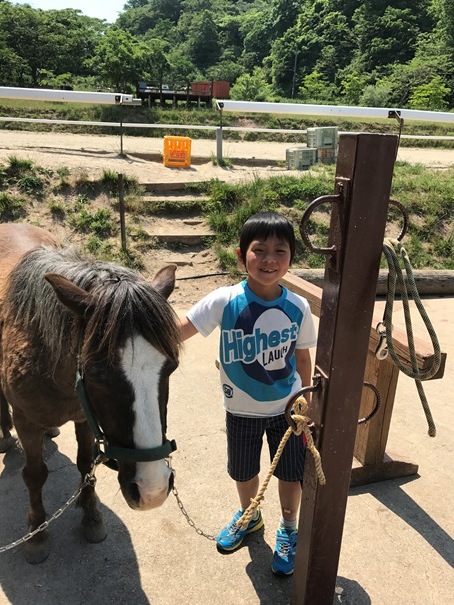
128 345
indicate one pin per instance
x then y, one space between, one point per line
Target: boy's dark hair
263 225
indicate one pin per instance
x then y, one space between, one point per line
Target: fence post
219 144
121 197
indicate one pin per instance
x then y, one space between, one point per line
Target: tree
387 34
316 88
55 42
119 59
156 61
431 96
251 87
257 33
203 40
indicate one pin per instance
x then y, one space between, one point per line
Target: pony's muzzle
151 486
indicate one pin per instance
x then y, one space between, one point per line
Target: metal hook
381 352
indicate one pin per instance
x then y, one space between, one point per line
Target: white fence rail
194 127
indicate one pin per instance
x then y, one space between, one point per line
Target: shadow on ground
76 572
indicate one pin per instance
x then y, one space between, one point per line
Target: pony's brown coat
42 341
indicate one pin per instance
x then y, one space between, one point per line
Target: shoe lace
283 544
233 527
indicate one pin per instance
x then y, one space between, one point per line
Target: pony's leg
6 424
34 474
94 529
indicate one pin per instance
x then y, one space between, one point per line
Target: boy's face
267 261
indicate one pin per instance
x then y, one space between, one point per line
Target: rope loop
301 425
394 251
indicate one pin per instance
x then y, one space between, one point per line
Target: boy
265 333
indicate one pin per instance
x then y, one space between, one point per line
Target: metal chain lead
89 479
185 513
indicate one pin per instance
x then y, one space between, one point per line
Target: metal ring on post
404 213
333 199
376 406
292 400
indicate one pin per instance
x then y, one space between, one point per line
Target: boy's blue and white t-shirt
258 339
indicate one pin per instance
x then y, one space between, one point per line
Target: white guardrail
221 105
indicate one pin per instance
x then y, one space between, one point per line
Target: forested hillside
397 53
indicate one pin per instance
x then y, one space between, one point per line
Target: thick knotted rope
302 422
391 249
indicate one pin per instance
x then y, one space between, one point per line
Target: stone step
184 230
166 197
171 186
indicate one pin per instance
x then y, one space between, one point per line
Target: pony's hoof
94 532
37 550
53 432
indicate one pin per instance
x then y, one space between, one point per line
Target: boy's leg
244 443
289 472
290 499
247 490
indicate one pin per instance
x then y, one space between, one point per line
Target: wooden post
363 183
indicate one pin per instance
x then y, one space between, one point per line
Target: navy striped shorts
244 446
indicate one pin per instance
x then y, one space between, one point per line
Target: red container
219 89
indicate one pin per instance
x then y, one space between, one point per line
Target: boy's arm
304 369
187 329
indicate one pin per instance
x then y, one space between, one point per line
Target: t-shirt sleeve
206 315
307 337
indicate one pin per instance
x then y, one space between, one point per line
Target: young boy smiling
265 335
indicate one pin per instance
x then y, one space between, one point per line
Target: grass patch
100 223
12 207
426 194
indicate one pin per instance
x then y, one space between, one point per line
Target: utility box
324 137
300 158
325 155
177 152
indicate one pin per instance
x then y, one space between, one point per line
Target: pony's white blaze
142 365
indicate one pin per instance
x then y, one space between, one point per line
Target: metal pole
294 72
220 106
363 182
121 130
121 196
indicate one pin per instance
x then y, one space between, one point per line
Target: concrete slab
398 546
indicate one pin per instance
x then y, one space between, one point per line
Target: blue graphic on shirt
257 352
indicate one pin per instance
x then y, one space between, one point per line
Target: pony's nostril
171 479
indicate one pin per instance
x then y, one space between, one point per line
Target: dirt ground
91 155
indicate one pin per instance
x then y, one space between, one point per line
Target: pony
64 320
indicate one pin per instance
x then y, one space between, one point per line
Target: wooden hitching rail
371 463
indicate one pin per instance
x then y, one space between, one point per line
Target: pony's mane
123 305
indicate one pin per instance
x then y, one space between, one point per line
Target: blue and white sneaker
231 537
283 561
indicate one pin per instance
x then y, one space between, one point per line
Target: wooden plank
385 470
424 350
372 437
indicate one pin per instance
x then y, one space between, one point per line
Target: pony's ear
69 294
164 280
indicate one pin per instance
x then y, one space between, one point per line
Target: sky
102 9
